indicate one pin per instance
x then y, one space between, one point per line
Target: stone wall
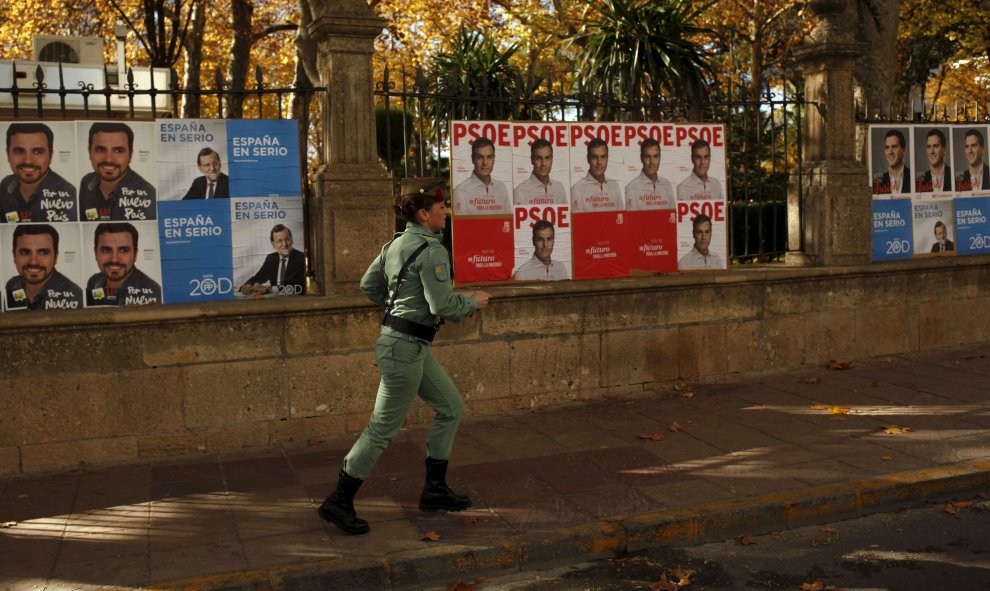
115 385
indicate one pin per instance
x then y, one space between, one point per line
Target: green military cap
431 186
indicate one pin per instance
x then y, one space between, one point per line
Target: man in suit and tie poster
213 184
283 272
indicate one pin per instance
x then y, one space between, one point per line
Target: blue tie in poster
264 158
892 237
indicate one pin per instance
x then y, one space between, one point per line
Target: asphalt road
940 546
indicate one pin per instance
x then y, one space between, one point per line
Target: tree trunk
874 73
240 57
193 62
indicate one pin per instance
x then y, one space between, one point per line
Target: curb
414 569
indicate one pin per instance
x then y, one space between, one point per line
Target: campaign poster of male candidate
932 161
698 156
481 177
542 220
267 240
600 229
264 158
933 227
122 265
41 266
969 152
192 159
119 172
890 162
38 182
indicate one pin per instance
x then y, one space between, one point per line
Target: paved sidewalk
549 486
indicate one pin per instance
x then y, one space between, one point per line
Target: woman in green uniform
411 278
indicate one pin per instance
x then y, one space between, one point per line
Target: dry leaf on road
745 540
653 437
816 586
430 536
829 530
663 585
469 520
895 430
886 458
812 380
675 427
460 586
838 365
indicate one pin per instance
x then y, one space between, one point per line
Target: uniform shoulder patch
441 272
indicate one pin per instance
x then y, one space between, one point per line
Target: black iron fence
921 111
763 140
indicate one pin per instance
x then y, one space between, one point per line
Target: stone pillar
350 215
833 216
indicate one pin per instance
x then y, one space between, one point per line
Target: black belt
413 329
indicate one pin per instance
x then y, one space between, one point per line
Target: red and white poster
586 200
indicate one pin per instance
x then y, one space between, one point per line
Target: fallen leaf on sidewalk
818 406
22 496
816 542
895 430
430 536
829 530
469 520
816 586
675 427
663 585
953 507
460 586
7 524
886 458
834 365
653 437
745 540
812 380
683 576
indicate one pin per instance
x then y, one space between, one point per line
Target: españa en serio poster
111 213
931 190
553 201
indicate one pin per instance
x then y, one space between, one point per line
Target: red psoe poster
599 244
483 249
652 240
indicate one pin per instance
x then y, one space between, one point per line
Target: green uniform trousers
408 368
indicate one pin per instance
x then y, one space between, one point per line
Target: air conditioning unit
68 50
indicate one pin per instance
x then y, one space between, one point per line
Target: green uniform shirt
426 292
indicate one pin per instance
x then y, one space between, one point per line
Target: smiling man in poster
35 192
976 177
649 190
700 256
698 185
938 177
542 267
897 179
119 282
480 194
539 188
595 192
38 285
114 191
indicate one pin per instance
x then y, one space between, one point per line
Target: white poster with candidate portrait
183 146
266 230
972 172
30 161
41 270
122 153
111 254
890 162
933 227
932 161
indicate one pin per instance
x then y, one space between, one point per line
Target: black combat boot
436 493
338 508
